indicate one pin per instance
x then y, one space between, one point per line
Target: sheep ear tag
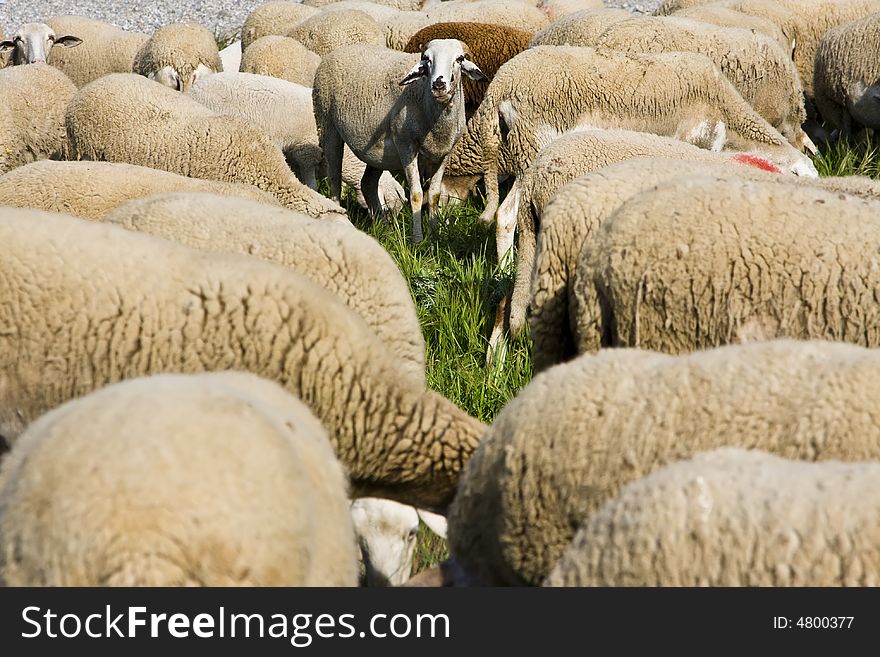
420 70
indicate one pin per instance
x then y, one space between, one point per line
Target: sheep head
443 61
33 43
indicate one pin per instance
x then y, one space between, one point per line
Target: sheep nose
438 83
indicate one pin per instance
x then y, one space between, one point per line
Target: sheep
177 55
549 90
283 110
281 57
92 189
732 517
387 532
845 78
35 97
336 256
579 28
668 7
620 414
557 9
762 72
402 5
356 102
273 18
491 45
729 261
570 156
727 17
378 12
86 304
400 28
230 56
33 43
105 48
128 118
577 212
217 479
326 32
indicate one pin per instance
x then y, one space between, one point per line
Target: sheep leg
333 145
410 158
492 194
370 189
434 189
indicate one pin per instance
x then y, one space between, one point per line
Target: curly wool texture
274 18
324 33
399 29
732 517
578 210
127 118
276 107
488 45
580 28
113 304
668 7
621 414
92 189
721 261
572 156
105 48
35 97
280 57
761 71
727 17
548 90
846 75
218 479
402 5
182 47
336 256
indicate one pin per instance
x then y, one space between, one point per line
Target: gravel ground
222 16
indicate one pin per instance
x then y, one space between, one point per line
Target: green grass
456 284
850 159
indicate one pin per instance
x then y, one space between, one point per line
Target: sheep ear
435 522
472 70
67 41
420 70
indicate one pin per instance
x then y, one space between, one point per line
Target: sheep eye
460 58
412 534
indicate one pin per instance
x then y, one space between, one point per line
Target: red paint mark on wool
757 162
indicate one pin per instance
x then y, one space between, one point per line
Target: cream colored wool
727 17
577 211
105 48
35 97
557 9
581 28
127 118
190 50
564 159
732 517
701 262
273 18
280 57
619 415
403 5
336 256
324 33
86 304
758 68
92 189
846 75
219 479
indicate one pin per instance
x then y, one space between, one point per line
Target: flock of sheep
208 376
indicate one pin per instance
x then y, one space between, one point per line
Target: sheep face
169 76
387 533
443 61
33 43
